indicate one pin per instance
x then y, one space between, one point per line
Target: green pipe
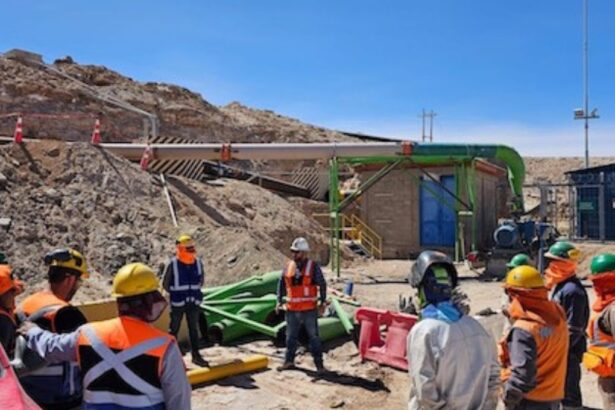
251 324
330 328
214 318
256 285
228 330
243 301
342 315
347 301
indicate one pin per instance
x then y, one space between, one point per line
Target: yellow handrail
355 229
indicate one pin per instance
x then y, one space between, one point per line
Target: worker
126 362
9 288
567 290
183 279
533 352
600 356
56 386
520 259
453 358
302 292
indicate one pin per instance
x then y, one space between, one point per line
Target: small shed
450 207
593 202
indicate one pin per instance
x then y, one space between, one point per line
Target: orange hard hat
7 282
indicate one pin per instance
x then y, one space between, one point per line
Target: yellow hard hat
134 279
525 277
183 239
68 258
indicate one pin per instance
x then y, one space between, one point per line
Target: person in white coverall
452 359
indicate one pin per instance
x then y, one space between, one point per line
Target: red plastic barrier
392 349
12 395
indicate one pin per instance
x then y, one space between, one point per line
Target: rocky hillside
78 195
30 89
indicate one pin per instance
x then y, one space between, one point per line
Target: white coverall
453 366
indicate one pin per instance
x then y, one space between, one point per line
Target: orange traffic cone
18 136
96 133
147 156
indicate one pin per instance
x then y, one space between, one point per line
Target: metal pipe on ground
256 286
342 316
249 364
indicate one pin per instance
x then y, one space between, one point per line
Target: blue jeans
307 319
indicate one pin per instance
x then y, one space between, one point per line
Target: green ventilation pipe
227 330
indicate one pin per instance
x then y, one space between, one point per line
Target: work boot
286 366
320 370
199 361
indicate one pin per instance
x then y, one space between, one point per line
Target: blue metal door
437 218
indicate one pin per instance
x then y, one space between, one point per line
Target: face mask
185 256
157 309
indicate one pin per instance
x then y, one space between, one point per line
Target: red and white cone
96 133
18 136
146 157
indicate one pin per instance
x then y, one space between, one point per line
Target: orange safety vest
600 355
121 361
44 303
551 355
304 295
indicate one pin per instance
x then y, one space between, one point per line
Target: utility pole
583 113
431 114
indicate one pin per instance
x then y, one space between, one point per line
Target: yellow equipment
134 279
205 374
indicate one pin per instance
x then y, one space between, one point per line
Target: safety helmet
69 259
603 263
519 259
184 239
134 279
300 245
563 250
7 282
425 260
524 277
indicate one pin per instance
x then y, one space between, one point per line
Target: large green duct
512 159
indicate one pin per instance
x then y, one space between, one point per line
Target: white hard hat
300 245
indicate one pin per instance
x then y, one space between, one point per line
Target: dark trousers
573 396
307 319
537 405
606 387
193 313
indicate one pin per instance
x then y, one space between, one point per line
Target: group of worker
123 363
453 360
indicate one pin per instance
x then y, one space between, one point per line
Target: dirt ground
352 385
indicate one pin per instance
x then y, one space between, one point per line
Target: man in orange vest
126 362
55 386
9 288
600 355
303 291
534 352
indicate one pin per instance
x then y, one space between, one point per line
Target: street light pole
583 113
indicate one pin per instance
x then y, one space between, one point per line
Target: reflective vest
55 383
301 292
551 357
186 283
121 360
600 355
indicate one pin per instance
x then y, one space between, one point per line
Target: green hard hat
563 250
603 263
519 259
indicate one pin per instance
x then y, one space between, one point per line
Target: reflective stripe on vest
303 296
150 395
594 338
182 293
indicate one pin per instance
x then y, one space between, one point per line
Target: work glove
322 308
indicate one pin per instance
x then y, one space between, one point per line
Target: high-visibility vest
600 355
54 383
551 357
304 294
121 360
186 282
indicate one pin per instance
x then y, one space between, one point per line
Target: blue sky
494 71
